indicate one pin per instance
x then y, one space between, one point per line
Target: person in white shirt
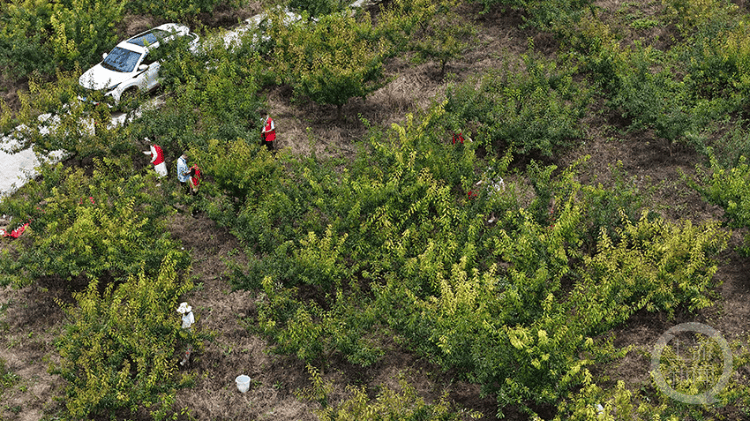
183 172
187 322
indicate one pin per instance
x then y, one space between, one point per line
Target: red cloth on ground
16 232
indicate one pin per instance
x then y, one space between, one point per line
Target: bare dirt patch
30 321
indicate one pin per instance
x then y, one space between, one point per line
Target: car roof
150 39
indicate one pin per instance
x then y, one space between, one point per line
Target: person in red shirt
268 131
195 179
157 158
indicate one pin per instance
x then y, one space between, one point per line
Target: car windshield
149 38
121 60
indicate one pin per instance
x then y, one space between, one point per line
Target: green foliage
689 365
394 246
691 15
680 92
403 403
401 20
609 207
652 100
42 35
51 119
318 8
728 187
545 14
592 402
119 353
176 10
444 38
22 55
102 226
314 334
520 336
536 112
225 93
718 64
82 29
329 61
657 265
241 170
24 46
725 143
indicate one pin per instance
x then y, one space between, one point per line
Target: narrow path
234 350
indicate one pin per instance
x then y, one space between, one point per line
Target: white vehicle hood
98 78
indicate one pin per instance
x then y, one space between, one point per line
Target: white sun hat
184 308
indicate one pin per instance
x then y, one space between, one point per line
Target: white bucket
243 383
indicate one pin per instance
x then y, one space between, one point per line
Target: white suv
128 67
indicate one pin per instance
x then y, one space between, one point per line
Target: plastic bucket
243 383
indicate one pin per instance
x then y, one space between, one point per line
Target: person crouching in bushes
194 179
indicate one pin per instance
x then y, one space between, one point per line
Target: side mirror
104 55
142 67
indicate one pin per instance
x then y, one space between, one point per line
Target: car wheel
129 100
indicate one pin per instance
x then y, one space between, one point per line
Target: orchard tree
120 347
330 60
83 29
445 37
318 7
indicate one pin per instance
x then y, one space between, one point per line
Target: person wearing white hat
187 322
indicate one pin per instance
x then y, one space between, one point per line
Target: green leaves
728 188
537 112
96 227
120 352
392 244
331 60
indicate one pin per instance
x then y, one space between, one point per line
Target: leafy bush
22 55
545 14
521 337
52 120
652 100
218 101
404 404
536 112
83 29
99 227
610 207
329 61
728 187
24 46
318 8
691 15
42 35
726 143
393 245
176 10
119 353
7 377
445 37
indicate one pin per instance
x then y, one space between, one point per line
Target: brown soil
30 318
